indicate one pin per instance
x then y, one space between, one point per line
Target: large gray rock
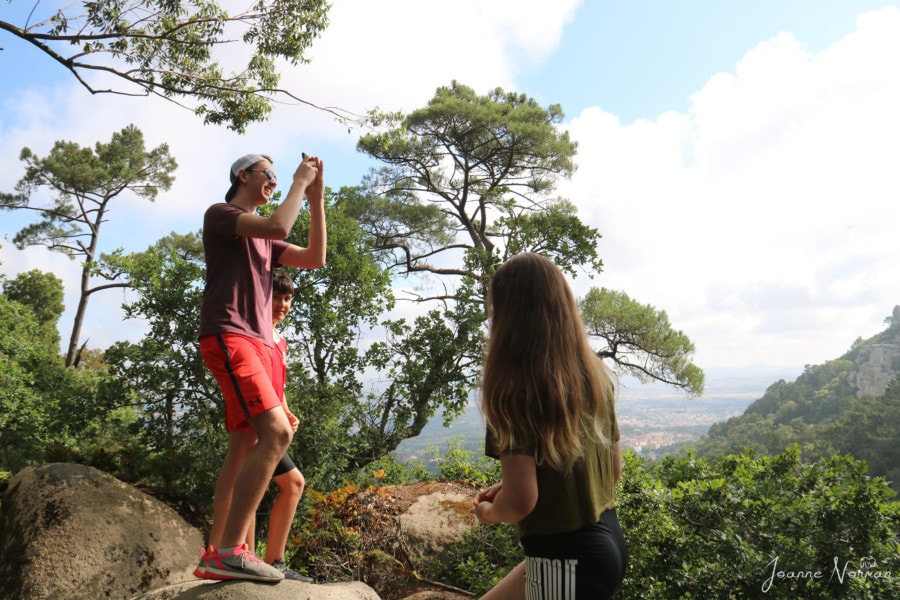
877 366
435 519
70 531
246 590
438 595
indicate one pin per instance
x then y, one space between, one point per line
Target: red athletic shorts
243 368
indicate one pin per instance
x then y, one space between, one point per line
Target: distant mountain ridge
849 405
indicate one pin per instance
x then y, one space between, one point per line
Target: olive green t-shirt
569 501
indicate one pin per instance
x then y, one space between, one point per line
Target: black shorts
284 465
585 564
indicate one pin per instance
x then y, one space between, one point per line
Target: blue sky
639 59
739 158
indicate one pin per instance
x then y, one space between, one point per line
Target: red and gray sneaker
240 563
204 560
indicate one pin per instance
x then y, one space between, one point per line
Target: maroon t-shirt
238 294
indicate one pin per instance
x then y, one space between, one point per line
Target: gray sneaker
240 563
289 573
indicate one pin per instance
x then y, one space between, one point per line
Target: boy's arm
292 418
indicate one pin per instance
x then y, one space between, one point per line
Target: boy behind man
287 476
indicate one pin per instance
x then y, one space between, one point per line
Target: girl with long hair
549 407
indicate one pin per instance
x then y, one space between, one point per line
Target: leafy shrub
350 534
726 529
481 559
387 471
465 466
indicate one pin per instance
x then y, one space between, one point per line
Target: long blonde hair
542 384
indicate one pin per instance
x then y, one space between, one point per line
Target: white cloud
764 221
392 54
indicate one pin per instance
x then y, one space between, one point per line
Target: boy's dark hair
282 284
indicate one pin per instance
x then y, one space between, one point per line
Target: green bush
481 559
758 527
350 533
739 527
387 471
465 466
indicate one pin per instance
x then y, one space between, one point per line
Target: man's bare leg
240 442
274 435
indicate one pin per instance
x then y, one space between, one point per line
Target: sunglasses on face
270 174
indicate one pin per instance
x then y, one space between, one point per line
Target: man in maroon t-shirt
242 250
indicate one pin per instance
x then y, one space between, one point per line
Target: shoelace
247 556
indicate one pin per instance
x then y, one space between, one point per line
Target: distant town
654 419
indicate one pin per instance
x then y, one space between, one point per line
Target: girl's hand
482 511
488 495
483 502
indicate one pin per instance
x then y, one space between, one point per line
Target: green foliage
40 291
868 431
163 377
85 181
452 464
46 410
700 529
466 466
640 340
23 414
388 471
478 561
821 413
472 173
43 294
169 49
554 231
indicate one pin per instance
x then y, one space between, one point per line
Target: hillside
654 419
844 406
848 405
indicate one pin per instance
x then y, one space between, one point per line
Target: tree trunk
72 353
